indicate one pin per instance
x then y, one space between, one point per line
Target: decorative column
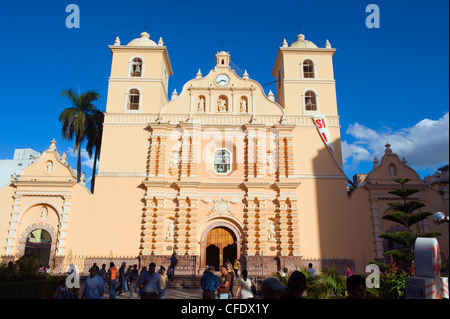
283 227
157 156
376 229
60 245
262 225
252 206
180 225
13 226
294 217
154 211
192 226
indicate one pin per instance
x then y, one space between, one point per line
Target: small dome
143 41
302 43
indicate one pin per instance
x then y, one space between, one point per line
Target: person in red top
113 276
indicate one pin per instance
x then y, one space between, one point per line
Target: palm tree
94 133
75 120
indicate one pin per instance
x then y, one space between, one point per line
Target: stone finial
285 44
271 96
83 179
328 44
245 75
388 149
160 42
117 42
375 162
64 158
145 35
404 161
199 74
52 146
174 94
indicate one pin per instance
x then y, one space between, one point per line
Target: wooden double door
220 247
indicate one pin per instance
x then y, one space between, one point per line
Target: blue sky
392 82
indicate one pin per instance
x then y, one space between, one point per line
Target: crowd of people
146 283
149 283
222 287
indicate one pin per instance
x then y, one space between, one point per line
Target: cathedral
220 171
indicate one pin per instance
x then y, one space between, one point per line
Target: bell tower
137 91
139 76
305 78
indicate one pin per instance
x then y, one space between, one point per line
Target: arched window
136 67
222 161
310 101
308 69
133 99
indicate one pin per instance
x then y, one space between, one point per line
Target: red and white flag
322 127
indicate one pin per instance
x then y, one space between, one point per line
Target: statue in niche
243 106
271 225
173 163
170 229
49 166
43 214
392 170
222 103
270 164
201 105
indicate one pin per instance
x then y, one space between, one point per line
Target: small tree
404 214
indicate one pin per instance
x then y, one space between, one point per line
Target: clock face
222 80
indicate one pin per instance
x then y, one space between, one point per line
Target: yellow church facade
219 171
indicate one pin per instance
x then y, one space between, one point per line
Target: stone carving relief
243 105
170 229
49 167
222 104
270 164
201 105
44 213
173 163
221 207
271 227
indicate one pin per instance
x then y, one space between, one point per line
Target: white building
22 158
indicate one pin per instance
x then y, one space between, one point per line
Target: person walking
244 288
231 272
210 283
173 263
121 278
236 266
113 279
134 274
103 273
225 279
94 286
164 279
151 282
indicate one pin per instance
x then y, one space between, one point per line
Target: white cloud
424 145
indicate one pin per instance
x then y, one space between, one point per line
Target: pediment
48 168
222 93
